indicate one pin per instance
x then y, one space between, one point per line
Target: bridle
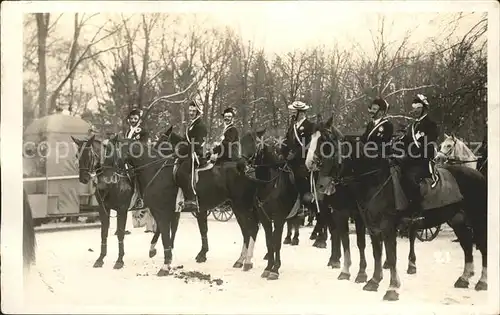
450 151
93 167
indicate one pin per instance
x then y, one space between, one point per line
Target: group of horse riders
419 140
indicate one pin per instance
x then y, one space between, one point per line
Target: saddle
439 190
195 177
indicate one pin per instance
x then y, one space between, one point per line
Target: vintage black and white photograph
251 157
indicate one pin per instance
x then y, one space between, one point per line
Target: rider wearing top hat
227 149
419 143
295 146
136 132
380 129
196 134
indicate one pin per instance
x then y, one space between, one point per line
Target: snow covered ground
64 281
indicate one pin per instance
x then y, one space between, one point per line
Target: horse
378 206
276 198
293 224
454 151
156 175
114 193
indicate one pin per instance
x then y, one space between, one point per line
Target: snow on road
64 280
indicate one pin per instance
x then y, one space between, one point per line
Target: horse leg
201 218
174 226
252 228
296 227
288 238
277 235
323 216
464 235
164 225
335 255
372 284
343 231
268 230
482 244
241 259
412 258
104 217
121 222
154 240
361 242
390 243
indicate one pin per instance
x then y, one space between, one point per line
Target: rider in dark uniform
136 132
295 147
196 134
379 130
420 148
228 148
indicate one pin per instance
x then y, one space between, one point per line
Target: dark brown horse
275 197
377 203
111 194
156 176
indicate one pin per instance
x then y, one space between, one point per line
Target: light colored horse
454 151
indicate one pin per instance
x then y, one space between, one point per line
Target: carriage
50 169
222 213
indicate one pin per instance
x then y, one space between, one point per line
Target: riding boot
185 183
413 215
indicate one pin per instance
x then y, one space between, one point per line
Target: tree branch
409 89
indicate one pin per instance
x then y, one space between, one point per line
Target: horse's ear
319 119
329 123
169 130
446 136
77 141
453 136
91 139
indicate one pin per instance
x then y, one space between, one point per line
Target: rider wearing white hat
295 145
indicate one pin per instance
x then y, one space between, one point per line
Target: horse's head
117 153
88 158
324 153
252 144
454 149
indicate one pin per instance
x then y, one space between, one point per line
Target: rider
196 134
419 143
136 132
227 149
380 129
295 147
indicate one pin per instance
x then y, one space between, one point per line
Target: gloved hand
290 156
213 157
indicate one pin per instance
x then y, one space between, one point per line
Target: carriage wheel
427 235
223 214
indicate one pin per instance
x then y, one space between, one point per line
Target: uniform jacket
137 133
420 138
297 138
379 133
228 145
196 134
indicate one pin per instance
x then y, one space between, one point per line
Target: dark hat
229 110
383 105
135 111
420 101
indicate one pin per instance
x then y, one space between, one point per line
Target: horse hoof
247 267
273 276
287 241
295 242
152 253
461 284
313 236
386 266
344 276
266 256
98 264
201 259
371 286
411 270
334 264
265 274
319 244
118 265
391 295
361 278
481 286
163 272
238 264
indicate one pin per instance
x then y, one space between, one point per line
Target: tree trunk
42 22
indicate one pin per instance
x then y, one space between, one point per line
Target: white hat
298 105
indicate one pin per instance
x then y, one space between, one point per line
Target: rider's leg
184 181
412 178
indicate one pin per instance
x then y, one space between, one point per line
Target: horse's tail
29 242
